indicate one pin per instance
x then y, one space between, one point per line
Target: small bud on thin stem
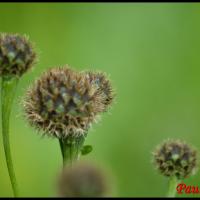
16 58
177 160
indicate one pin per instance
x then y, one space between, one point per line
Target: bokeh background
152 55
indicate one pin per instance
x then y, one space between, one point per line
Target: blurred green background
152 54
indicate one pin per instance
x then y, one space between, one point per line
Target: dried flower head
103 88
83 180
175 158
16 55
63 102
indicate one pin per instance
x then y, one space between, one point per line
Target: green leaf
86 149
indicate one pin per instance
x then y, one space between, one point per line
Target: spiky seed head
103 88
83 180
16 55
62 102
175 158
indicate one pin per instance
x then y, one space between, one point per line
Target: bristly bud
83 180
16 55
103 88
175 158
63 102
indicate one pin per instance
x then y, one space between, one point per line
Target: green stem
70 149
8 89
172 186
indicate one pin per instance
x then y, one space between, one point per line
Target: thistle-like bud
175 158
103 88
83 180
16 55
63 102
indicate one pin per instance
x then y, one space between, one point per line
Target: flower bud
63 102
175 158
82 180
16 55
102 87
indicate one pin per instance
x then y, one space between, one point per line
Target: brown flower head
82 180
175 158
63 102
103 88
16 55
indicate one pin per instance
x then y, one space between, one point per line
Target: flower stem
71 148
172 186
8 89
